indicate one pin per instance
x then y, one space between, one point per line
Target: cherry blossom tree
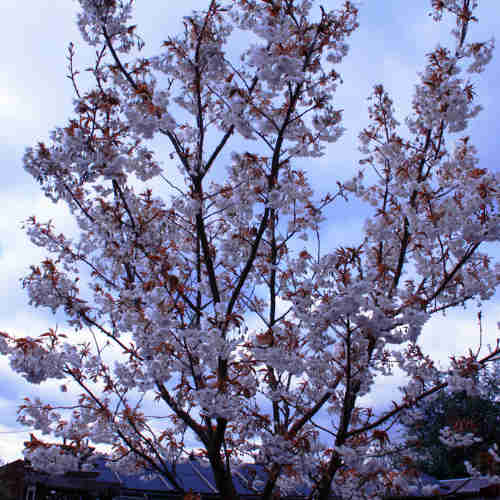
211 300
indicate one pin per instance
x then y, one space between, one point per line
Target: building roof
195 476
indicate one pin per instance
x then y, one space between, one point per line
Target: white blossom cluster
55 461
457 440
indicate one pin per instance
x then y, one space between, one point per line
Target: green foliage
462 413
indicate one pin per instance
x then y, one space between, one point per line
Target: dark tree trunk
223 479
324 486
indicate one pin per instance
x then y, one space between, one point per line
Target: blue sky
35 96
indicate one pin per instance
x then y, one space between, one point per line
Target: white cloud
11 441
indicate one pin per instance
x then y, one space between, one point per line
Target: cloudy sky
35 96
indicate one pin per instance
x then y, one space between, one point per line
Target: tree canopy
478 415
218 304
